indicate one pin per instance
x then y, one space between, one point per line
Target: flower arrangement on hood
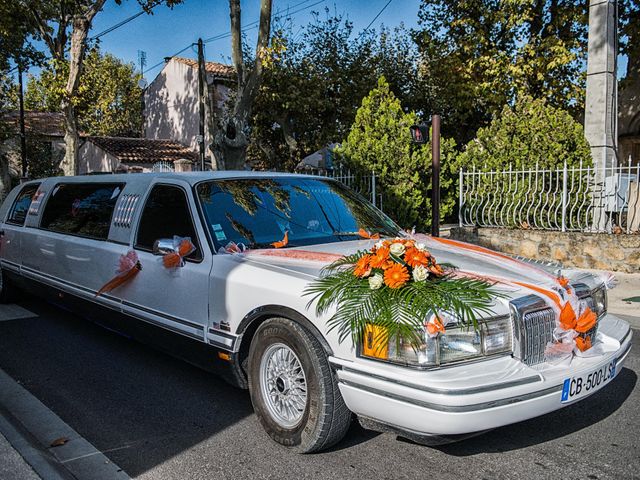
399 286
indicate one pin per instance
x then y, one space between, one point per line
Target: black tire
325 418
8 292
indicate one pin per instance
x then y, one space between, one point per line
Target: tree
313 85
230 133
379 141
108 99
55 19
480 55
530 133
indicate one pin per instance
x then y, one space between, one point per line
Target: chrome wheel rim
283 385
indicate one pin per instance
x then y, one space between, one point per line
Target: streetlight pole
202 80
420 136
435 178
23 137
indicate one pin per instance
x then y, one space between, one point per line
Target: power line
379 13
174 55
117 25
255 23
248 26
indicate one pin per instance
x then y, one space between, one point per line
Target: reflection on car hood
310 260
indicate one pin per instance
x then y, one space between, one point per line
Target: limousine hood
468 259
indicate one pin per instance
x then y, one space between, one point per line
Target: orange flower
435 269
415 257
583 343
380 258
363 266
396 276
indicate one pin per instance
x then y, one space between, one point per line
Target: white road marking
12 311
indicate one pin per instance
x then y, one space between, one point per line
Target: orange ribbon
364 234
129 267
282 243
175 259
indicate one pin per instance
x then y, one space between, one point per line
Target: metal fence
363 183
565 199
163 167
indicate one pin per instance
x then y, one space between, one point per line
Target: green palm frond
401 312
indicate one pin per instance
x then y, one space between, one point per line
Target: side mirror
163 246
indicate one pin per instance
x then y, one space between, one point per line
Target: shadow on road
139 406
553 425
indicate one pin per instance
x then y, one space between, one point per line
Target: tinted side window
21 205
166 214
81 209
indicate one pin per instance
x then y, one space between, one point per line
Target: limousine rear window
21 205
83 209
166 213
257 212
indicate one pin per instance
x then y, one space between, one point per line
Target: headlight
599 297
458 343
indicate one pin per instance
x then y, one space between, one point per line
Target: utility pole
23 137
435 177
202 82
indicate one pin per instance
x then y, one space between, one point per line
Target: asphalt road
160 418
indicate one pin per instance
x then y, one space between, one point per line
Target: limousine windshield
258 212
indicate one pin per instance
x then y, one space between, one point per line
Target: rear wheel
294 393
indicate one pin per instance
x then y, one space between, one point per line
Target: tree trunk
231 140
71 139
81 26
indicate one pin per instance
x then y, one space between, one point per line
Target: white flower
421 246
420 273
396 249
379 244
376 281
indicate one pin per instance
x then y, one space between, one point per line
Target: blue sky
167 31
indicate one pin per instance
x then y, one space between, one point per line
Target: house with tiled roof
120 154
44 132
171 107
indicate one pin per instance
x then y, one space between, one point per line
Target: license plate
582 385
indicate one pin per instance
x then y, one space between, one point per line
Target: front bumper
467 398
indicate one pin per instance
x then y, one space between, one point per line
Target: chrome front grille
537 333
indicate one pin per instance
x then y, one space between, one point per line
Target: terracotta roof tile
218 69
48 124
143 150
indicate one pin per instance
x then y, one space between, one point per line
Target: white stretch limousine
212 268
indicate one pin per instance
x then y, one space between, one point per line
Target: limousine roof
190 177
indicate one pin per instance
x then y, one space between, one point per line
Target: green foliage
479 55
42 160
400 312
380 141
108 101
313 84
17 28
530 133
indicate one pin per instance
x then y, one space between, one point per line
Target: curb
33 430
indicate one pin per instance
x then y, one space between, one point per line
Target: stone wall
583 250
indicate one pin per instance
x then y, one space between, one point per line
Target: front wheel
293 391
